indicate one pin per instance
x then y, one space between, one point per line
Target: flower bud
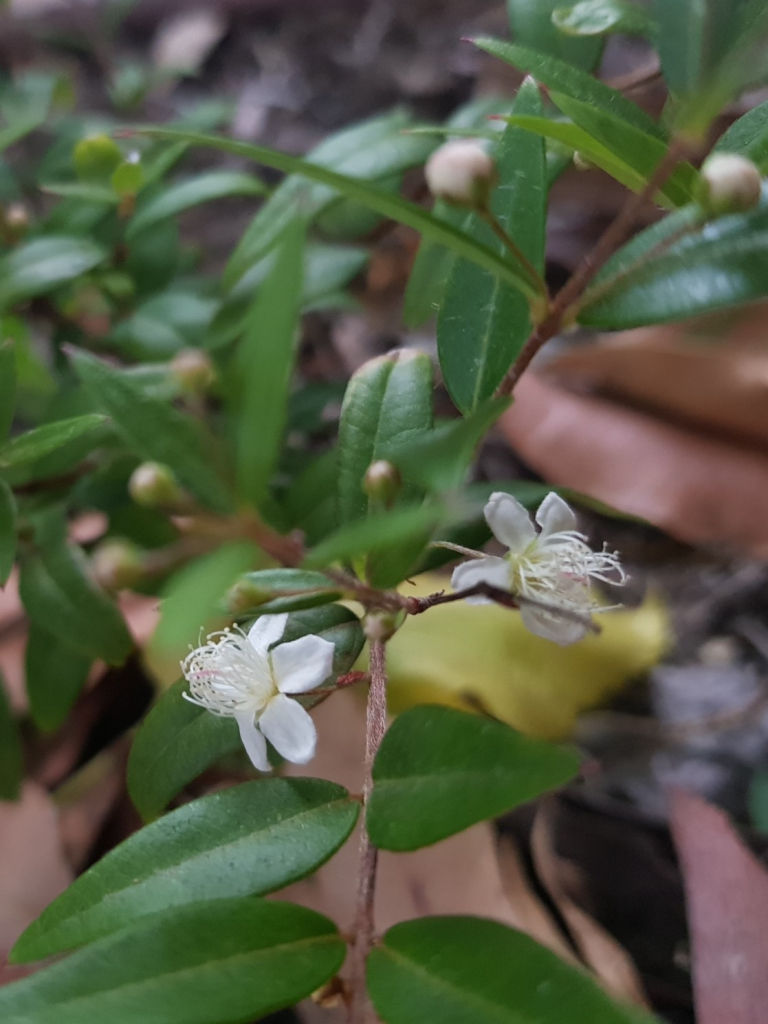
117 564
729 184
96 158
461 172
193 369
381 626
382 481
153 485
15 222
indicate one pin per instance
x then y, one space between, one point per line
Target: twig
375 723
616 233
509 243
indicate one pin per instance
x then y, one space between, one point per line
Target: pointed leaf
603 17
483 323
245 841
203 188
532 24
43 440
463 969
55 675
439 770
748 136
283 590
213 961
43 264
431 269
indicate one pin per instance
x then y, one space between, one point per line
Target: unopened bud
244 596
729 184
381 626
96 158
461 172
382 481
16 221
153 485
194 370
117 565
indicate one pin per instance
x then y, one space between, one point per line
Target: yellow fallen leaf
471 656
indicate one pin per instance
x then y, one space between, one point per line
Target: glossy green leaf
603 17
635 148
748 136
282 590
245 841
439 770
394 207
178 740
262 367
34 444
387 405
564 78
723 264
469 970
11 766
7 385
154 429
43 264
7 531
431 269
203 188
212 961
55 676
483 322
375 149
58 595
533 25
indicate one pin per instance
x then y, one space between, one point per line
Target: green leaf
154 429
531 22
383 202
748 137
637 149
563 78
55 676
11 763
603 17
262 368
431 269
43 440
43 264
375 149
179 740
387 405
88 192
483 323
7 531
282 590
245 841
59 596
7 385
439 770
723 264
201 189
468 969
217 960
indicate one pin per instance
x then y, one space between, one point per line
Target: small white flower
238 676
553 566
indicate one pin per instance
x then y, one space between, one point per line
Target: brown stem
375 724
616 233
509 243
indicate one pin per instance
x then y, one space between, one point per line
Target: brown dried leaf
727 895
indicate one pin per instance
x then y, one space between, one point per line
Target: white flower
553 566
238 676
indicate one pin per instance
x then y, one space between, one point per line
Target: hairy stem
375 723
614 236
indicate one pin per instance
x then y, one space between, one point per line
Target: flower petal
491 569
551 626
510 523
555 515
289 729
254 743
302 664
267 630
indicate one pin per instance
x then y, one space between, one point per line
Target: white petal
266 630
552 626
491 570
289 729
302 664
510 523
555 515
254 743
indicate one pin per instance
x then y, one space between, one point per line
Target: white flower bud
382 481
730 184
154 485
193 369
117 564
461 172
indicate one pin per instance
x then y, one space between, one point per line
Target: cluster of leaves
170 926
